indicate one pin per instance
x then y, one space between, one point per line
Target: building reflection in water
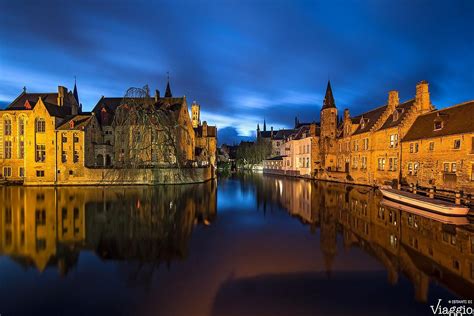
41 227
423 248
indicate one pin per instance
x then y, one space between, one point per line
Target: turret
196 114
328 115
393 100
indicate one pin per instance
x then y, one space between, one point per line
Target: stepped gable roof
371 118
302 131
79 122
456 119
402 109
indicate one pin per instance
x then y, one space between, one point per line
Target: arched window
40 125
108 160
21 126
7 126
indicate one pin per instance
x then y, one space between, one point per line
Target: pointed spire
264 125
76 95
258 126
328 98
168 93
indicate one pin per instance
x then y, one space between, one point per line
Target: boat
445 219
423 202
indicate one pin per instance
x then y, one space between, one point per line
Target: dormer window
438 125
396 114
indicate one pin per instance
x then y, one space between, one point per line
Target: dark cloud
225 53
230 136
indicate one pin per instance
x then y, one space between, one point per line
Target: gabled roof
402 109
51 98
79 122
457 119
370 118
283 133
57 111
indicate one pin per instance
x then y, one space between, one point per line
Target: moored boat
445 219
425 203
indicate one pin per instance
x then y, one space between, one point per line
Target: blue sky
243 61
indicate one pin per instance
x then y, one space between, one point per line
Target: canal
243 245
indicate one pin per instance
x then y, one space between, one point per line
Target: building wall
15 162
431 163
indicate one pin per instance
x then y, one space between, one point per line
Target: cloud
242 61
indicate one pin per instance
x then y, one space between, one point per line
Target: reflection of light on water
280 184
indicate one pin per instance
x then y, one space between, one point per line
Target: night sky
243 61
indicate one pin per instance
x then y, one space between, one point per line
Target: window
8 149
7 127
356 145
7 172
392 164
40 216
40 153
446 167
40 125
438 125
431 146
21 126
381 164
71 172
457 144
307 162
354 162
40 173
414 147
453 167
21 172
21 149
63 156
366 143
363 163
415 168
64 138
393 140
410 168
76 138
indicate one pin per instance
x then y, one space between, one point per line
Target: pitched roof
328 98
57 111
80 122
370 118
283 133
211 131
456 119
402 109
51 98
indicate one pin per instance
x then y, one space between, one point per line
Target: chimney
422 98
393 100
62 91
347 115
271 131
157 95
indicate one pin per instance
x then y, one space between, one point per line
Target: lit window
415 168
453 167
381 164
8 149
21 126
393 140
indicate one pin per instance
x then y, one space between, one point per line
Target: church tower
196 114
328 115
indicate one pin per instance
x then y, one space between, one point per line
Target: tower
264 125
196 114
328 115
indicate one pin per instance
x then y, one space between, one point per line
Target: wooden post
457 199
432 192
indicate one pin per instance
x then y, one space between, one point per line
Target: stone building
45 138
439 149
367 148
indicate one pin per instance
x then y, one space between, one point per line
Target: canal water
243 245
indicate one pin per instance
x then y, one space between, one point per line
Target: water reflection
423 248
42 227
